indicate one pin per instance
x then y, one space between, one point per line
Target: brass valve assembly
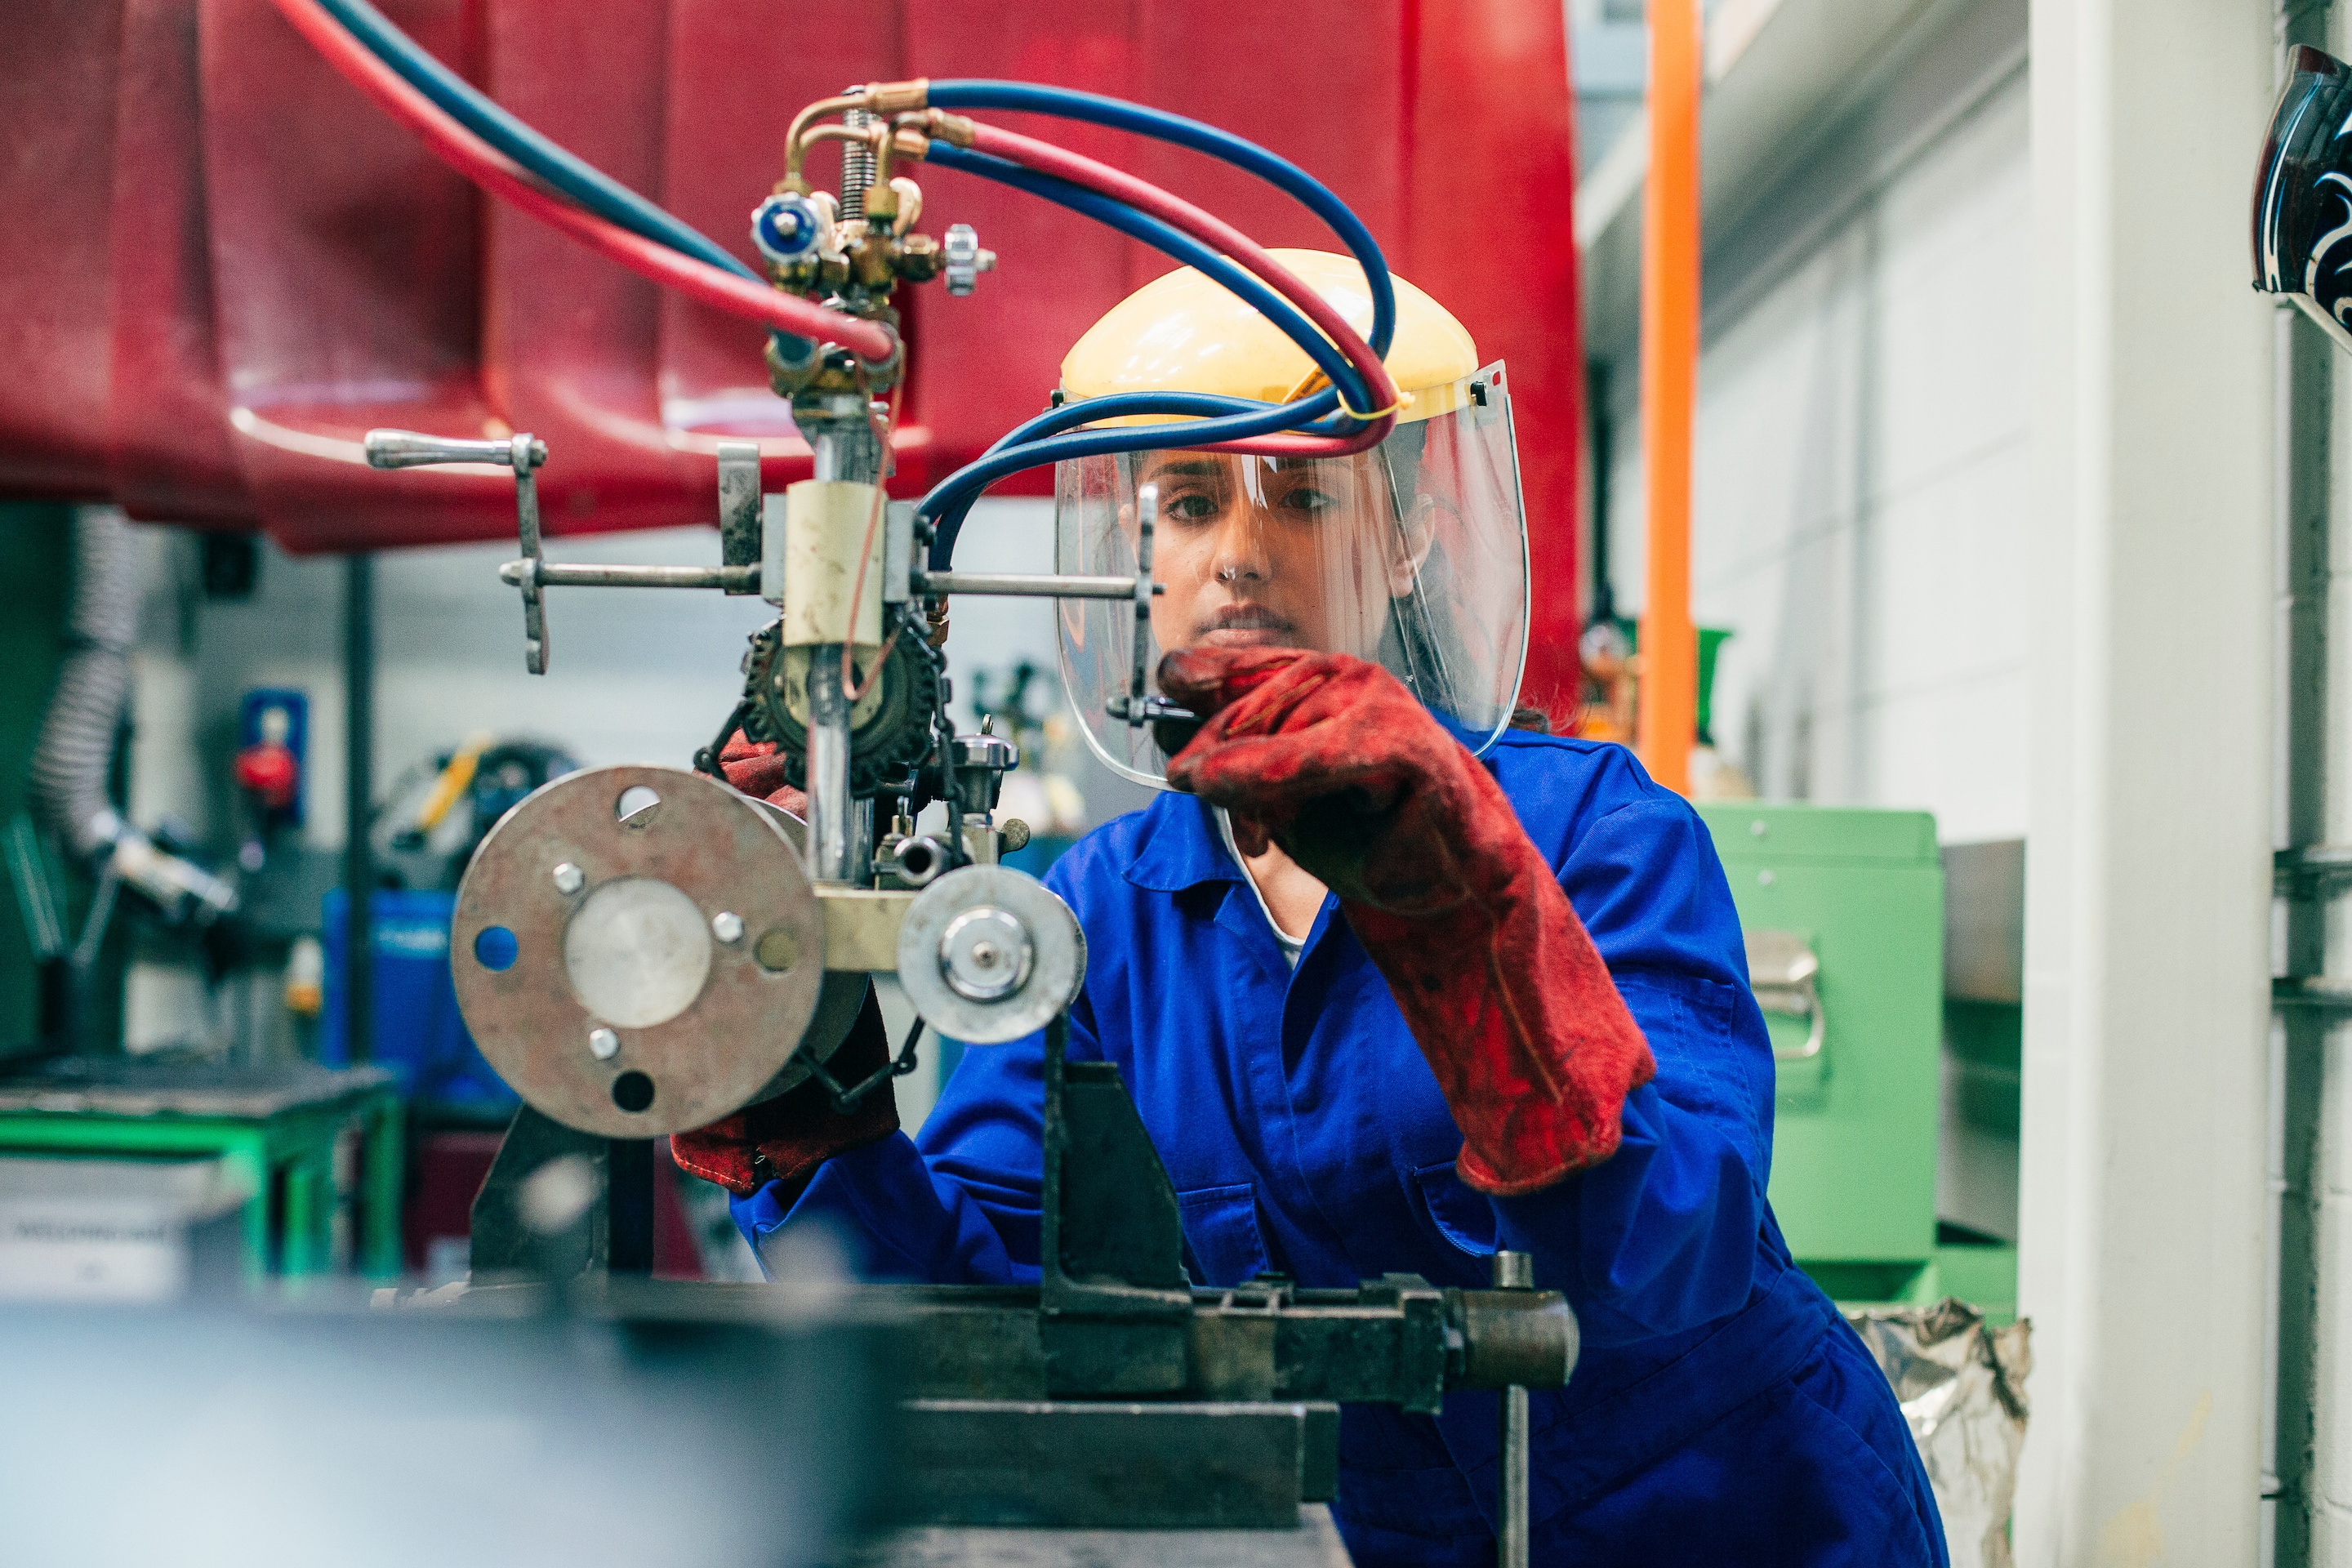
851 251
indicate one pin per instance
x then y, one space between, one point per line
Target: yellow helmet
1412 554
1185 332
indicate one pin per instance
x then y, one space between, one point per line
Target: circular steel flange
590 958
989 954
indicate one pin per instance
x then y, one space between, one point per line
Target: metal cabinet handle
1784 973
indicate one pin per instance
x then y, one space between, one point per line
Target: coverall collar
1180 847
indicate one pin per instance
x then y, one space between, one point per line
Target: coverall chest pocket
1221 1227
1460 1218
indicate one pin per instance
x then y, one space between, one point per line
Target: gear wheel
891 729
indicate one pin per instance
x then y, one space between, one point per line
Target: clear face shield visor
1413 555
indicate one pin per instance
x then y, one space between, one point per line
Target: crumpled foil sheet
1962 1385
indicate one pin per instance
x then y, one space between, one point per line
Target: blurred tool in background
1024 708
273 745
76 789
427 827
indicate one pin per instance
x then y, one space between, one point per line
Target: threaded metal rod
857 165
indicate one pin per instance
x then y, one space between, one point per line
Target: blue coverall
1722 1412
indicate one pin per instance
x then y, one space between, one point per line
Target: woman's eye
1309 500
1192 508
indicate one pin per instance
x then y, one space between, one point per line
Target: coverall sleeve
958 1206
1663 1235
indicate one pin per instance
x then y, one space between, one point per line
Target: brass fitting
937 123
885 99
870 262
897 96
795 146
836 369
911 201
873 136
919 258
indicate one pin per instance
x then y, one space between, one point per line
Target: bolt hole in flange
777 951
494 949
633 1091
635 806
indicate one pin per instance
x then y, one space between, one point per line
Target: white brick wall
1860 507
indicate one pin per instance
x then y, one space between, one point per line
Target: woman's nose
1241 553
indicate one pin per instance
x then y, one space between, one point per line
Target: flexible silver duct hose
76 744
76 749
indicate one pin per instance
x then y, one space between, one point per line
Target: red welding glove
1337 761
756 767
787 1138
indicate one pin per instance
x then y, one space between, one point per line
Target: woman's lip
1242 637
1243 618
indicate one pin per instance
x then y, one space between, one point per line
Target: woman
1394 985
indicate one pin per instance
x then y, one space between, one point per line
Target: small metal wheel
989 954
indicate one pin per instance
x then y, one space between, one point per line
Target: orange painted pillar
1670 298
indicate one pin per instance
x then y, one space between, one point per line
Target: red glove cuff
787 1138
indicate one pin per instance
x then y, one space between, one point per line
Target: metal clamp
523 453
738 513
1784 973
1134 705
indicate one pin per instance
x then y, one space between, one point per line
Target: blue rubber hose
590 188
953 497
1219 418
949 501
1094 109
1174 242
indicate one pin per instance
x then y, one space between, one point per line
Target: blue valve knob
786 227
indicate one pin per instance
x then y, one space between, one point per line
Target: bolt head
984 954
570 878
603 1045
727 926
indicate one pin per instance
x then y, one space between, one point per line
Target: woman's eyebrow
1199 468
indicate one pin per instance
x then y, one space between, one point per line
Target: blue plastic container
419 1033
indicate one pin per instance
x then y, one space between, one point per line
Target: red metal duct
226 265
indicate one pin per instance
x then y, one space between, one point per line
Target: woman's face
1276 552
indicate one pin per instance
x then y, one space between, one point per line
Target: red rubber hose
487 168
1173 210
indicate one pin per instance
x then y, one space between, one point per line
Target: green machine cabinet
1844 913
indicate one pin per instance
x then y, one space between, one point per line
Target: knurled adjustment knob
965 260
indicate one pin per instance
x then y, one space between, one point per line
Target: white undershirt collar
1292 946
